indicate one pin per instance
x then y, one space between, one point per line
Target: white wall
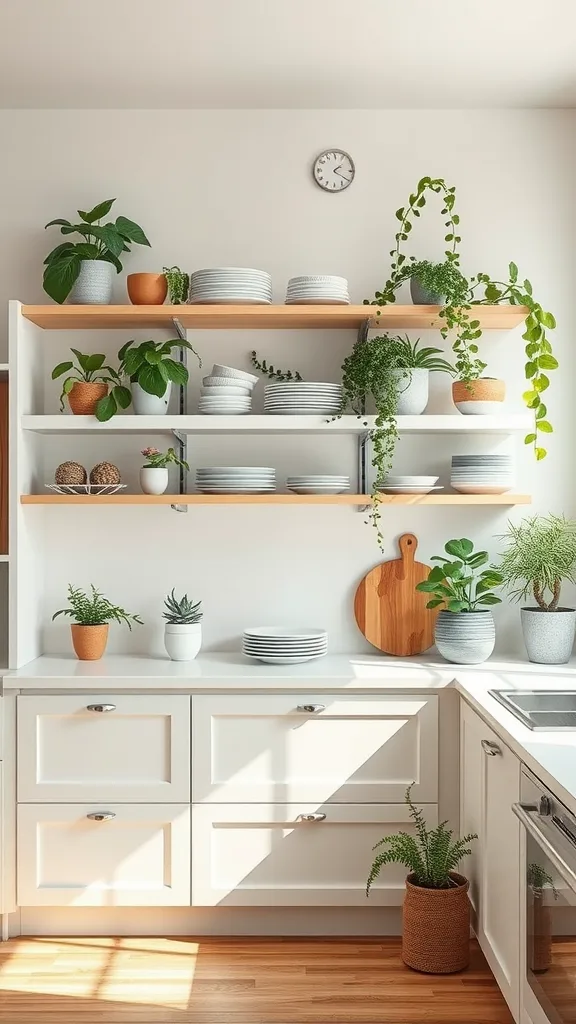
233 188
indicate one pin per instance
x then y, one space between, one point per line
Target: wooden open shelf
274 499
206 317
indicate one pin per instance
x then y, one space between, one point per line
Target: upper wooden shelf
446 498
73 318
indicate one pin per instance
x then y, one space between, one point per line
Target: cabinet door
350 749
139 857
69 750
490 784
262 855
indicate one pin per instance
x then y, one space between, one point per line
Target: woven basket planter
85 395
436 927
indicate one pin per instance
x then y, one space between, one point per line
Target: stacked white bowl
277 645
226 392
236 479
482 474
318 483
408 485
302 398
229 285
323 289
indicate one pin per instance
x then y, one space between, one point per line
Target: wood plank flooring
235 981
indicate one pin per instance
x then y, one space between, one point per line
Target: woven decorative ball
105 473
70 473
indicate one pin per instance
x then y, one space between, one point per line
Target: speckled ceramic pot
422 296
412 390
549 636
93 286
465 638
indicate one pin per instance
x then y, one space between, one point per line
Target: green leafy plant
94 609
430 856
91 369
457 313
538 879
100 242
182 611
178 285
457 584
271 372
150 365
540 555
155 459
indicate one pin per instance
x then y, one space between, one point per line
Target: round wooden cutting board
389 611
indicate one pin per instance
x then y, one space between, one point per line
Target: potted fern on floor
436 911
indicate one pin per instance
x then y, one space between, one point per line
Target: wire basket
85 488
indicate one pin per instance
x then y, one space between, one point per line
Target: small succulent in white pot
154 472
183 630
464 632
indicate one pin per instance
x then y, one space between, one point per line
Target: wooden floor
235 981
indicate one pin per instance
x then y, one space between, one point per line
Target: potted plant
154 472
436 911
92 612
152 371
146 289
178 285
540 555
434 284
83 271
540 919
464 632
87 386
183 630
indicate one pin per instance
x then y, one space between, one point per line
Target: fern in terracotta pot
436 911
92 613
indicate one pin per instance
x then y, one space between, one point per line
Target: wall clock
333 170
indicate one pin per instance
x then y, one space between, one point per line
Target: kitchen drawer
140 857
137 750
352 749
260 855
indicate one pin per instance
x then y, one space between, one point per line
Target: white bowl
220 391
229 371
411 481
479 408
480 488
226 382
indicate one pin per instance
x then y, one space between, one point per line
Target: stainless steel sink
541 710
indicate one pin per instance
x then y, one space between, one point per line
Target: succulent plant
181 612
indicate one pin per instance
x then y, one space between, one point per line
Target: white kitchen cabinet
262 855
84 748
489 785
340 748
140 856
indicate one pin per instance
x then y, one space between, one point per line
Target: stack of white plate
236 480
302 398
278 646
408 485
482 474
316 483
319 290
231 285
226 392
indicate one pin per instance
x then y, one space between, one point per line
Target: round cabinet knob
101 816
101 707
310 709
311 817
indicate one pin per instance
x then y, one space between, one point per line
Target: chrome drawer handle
489 748
101 816
309 709
311 817
101 707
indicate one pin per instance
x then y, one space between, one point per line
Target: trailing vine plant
270 371
462 294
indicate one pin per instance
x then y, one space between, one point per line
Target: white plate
206 489
303 385
410 481
235 469
318 479
479 408
290 632
224 412
285 646
408 490
317 302
303 489
481 488
284 661
236 300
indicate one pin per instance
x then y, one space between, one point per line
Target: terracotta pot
478 397
436 927
147 289
89 642
84 397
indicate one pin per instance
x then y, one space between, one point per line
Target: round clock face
333 170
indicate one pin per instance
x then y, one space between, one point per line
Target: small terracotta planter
89 642
436 927
478 397
85 396
147 289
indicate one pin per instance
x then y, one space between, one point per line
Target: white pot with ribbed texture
465 638
93 286
549 636
150 405
412 390
183 641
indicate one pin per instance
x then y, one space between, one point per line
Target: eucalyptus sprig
267 370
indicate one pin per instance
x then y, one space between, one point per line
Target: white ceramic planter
465 638
183 642
413 391
93 286
549 636
150 405
153 480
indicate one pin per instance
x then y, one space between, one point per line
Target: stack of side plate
317 483
408 485
482 474
276 645
321 290
302 398
236 479
241 285
226 392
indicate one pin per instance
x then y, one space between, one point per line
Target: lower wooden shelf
274 499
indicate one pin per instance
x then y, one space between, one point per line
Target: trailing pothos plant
481 289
